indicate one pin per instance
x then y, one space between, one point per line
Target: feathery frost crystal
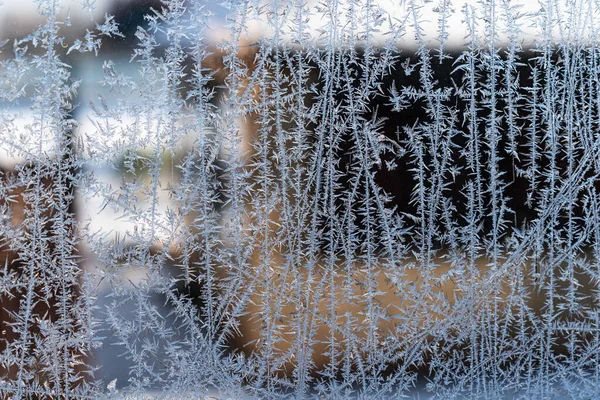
331 199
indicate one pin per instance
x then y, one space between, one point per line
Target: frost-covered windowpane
273 199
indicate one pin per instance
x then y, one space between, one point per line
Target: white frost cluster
346 205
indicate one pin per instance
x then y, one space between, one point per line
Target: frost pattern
348 205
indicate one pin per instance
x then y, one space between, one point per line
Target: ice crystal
296 199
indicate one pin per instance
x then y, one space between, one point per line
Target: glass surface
309 199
